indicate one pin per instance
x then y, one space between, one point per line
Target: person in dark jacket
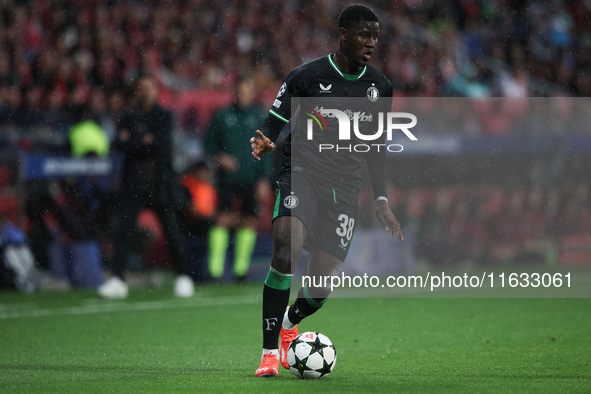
144 139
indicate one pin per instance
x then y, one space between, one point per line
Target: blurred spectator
144 138
241 182
68 216
17 264
198 215
87 138
461 48
88 199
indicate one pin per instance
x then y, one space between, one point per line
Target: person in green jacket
241 182
88 138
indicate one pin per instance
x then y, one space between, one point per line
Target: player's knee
281 260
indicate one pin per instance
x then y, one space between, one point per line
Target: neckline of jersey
348 77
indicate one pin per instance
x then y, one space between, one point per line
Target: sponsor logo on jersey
277 103
373 94
325 89
282 90
291 201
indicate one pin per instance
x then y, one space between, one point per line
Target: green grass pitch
152 342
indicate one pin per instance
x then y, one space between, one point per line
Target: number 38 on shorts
345 229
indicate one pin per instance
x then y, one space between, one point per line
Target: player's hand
261 146
388 220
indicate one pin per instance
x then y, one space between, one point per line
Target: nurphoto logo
387 123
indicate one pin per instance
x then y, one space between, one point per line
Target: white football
311 355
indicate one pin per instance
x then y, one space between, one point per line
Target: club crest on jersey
373 94
282 90
325 89
291 201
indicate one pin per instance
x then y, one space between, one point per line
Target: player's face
360 42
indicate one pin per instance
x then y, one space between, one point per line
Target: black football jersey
315 145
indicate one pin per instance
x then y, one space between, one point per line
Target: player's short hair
354 14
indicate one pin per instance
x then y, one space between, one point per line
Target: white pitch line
20 305
127 307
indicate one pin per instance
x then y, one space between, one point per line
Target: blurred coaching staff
144 139
241 183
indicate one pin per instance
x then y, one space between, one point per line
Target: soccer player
319 212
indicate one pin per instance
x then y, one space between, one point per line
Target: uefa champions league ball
311 355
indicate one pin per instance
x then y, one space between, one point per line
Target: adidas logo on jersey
325 89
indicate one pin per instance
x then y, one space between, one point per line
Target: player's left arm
388 220
376 163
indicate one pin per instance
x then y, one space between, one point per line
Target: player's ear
342 33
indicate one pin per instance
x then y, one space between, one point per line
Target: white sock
287 324
270 351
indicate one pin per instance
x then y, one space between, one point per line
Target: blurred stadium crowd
59 54
59 57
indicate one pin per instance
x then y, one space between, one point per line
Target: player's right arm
261 145
279 114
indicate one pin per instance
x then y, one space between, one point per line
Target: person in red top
203 195
198 215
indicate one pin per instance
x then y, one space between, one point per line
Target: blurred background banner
36 167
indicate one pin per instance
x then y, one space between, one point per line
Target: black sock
274 303
275 300
304 306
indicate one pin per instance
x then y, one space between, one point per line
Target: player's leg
288 240
312 296
334 228
184 286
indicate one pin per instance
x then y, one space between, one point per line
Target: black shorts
237 198
328 212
